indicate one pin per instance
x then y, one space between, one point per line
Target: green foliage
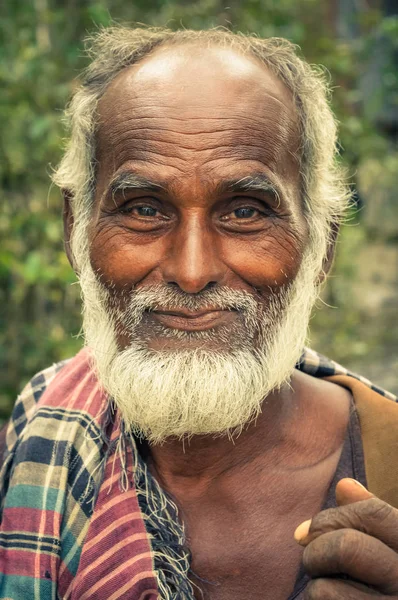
41 57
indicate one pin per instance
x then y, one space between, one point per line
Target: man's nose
193 261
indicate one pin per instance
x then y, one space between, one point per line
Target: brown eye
140 211
146 211
245 213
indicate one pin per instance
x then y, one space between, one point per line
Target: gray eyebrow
128 181
251 183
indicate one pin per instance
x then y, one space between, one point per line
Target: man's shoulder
54 417
378 419
27 400
35 387
51 437
317 365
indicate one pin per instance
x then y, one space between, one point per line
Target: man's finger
357 555
373 517
350 490
333 589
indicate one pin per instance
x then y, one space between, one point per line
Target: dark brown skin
187 121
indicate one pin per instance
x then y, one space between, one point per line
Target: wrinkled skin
187 120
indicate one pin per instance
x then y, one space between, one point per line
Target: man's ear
330 253
68 225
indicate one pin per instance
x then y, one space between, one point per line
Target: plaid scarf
81 515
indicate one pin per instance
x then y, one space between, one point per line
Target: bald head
200 82
192 65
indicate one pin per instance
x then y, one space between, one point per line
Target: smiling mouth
190 321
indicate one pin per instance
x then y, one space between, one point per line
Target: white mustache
158 297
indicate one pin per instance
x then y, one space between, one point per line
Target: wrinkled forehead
197 99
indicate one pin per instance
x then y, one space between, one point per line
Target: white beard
201 390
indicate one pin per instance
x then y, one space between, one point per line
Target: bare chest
236 561
244 548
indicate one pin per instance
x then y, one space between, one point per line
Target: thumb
350 490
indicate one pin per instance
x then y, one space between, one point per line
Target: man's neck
205 457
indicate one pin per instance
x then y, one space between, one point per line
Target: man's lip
194 321
189 314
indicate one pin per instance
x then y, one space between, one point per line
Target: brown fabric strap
378 417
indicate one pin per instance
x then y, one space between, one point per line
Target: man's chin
184 393
176 344
168 344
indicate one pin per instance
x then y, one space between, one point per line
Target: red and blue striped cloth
75 523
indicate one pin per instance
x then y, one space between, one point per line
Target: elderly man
177 454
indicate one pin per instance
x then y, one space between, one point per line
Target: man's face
196 238
201 134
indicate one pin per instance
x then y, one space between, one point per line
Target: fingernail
302 531
359 484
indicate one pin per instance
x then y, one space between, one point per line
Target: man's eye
246 218
245 213
146 211
140 211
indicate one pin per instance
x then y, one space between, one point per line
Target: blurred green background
41 55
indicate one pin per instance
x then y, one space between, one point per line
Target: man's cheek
268 263
120 263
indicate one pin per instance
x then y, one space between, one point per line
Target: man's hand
351 551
